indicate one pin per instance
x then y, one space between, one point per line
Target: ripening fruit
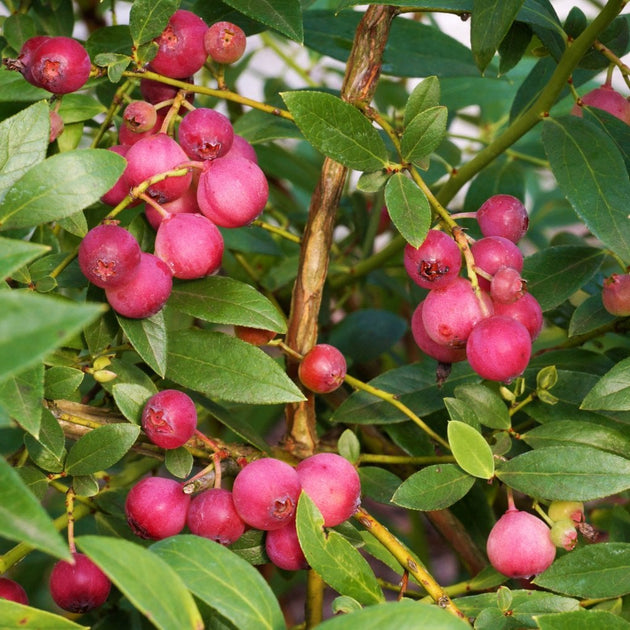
10 589
507 286
60 65
169 418
56 126
616 294
242 148
78 587
225 42
442 353
322 369
333 484
607 98
156 508
128 136
186 203
493 252
205 134
212 515
519 545
283 548
436 263
25 57
503 215
526 310
140 116
266 492
559 510
157 92
563 534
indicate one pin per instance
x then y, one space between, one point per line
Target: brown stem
362 73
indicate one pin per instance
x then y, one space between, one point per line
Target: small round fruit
242 148
156 508
283 548
616 294
186 203
607 98
169 418
225 42
519 545
499 348
559 510
10 589
442 353
140 116
78 587
56 126
322 369
526 310
503 215
25 58
436 263
333 484
563 534
212 515
157 92
146 292
266 492
60 65
205 134
493 252
109 256
507 286
255 336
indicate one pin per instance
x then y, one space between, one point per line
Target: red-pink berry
187 203
56 126
442 353
616 294
322 369
266 492
525 310
25 57
242 148
283 548
503 215
493 252
140 116
436 263
156 507
519 545
205 134
607 98
129 137
80 586
169 418
10 589
225 42
212 515
333 484
60 65
507 286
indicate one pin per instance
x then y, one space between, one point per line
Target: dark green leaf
85 485
221 366
454 5
35 480
612 391
503 176
160 595
514 46
487 405
48 449
566 473
256 126
109 40
15 254
62 382
22 397
285 16
593 571
23 519
337 129
377 483
79 107
589 315
224 300
101 448
17 28
178 462
424 96
149 338
595 182
148 18
333 557
470 449
14 615
131 398
433 488
556 273
408 208
582 620
424 134
60 186
491 21
208 569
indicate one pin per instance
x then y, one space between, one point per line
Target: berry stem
510 499
70 519
376 458
542 513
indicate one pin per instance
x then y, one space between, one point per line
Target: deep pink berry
519 545
212 515
140 116
283 548
493 252
499 348
507 286
56 126
242 148
60 65
78 587
225 42
156 508
186 203
616 294
266 492
128 137
109 256
607 98
333 484
120 189
25 57
10 589
146 292
442 353
436 263
503 215
205 134
169 418
157 92
322 369
525 310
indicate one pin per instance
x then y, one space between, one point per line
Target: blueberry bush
195 196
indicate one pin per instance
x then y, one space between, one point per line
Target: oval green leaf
148 337
21 395
160 595
470 449
148 18
488 407
424 96
15 254
408 208
285 16
101 448
424 134
433 488
337 129
612 391
582 620
130 399
15 615
209 570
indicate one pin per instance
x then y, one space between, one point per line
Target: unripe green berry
573 510
563 534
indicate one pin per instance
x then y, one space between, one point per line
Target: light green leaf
148 18
612 391
22 396
582 620
131 398
470 449
408 208
424 134
15 254
488 407
48 450
62 382
178 462
149 338
424 96
13 615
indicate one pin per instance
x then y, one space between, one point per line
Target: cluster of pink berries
264 496
494 328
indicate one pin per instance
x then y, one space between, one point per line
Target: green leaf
85 485
149 338
23 519
488 407
424 134
79 107
178 462
566 473
589 315
337 129
424 96
433 488
13 615
48 450
101 448
593 571
224 300
556 273
15 254
377 483
222 366
148 18
131 398
208 569
340 565
582 620
160 595
23 143
595 182
612 391
62 382
408 208
60 186
285 16
470 449
33 325
22 396
491 21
